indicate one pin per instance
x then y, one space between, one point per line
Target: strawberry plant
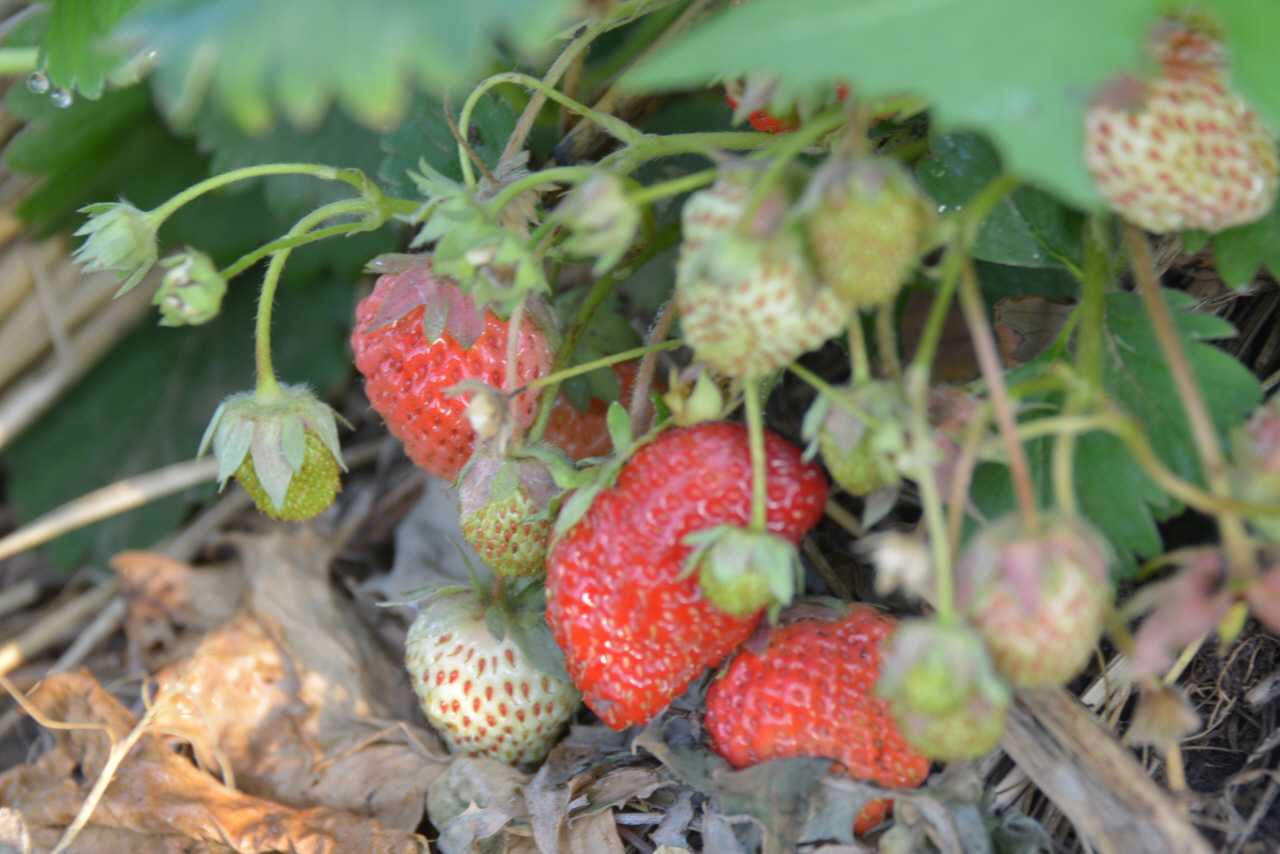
676 356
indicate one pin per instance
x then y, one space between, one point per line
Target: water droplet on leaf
61 98
38 82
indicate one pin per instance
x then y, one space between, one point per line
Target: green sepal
619 423
741 571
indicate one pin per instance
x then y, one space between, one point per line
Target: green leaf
147 405
1252 33
425 135
73 54
1028 228
1239 252
261 58
1113 491
1023 73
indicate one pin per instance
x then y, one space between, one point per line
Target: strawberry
860 455
507 511
1039 599
483 692
583 433
749 305
761 120
281 443
417 335
808 693
634 625
865 224
945 694
1255 464
1181 151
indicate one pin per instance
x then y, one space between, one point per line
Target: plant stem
887 341
860 362
917 388
18 60
841 400
984 345
558 174
759 466
602 362
616 127
327 173
268 386
639 408
1235 539
962 475
674 187
626 160
1093 295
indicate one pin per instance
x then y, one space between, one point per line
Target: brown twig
639 409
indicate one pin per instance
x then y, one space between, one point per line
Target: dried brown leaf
158 793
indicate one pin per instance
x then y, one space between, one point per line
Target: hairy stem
1235 538
755 435
984 344
327 173
639 409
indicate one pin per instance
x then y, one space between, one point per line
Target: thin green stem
1093 294
663 239
931 335
786 149
935 519
674 187
572 51
859 361
18 60
887 341
603 362
268 386
555 175
614 126
984 345
327 173
840 399
638 410
751 395
626 160
1235 539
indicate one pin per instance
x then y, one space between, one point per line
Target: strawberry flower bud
602 219
283 449
120 238
191 292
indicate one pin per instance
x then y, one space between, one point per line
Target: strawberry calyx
284 443
508 505
858 431
741 571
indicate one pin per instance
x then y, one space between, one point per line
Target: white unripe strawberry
1184 150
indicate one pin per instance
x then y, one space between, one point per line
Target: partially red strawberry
417 335
508 507
635 627
1184 150
749 303
1039 598
490 696
809 693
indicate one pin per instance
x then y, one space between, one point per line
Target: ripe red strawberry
808 693
507 511
1183 151
635 628
866 222
1039 599
583 433
761 120
416 336
486 696
748 305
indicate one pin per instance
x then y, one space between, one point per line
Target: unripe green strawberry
749 305
1182 151
860 455
484 694
281 443
1038 598
866 222
946 696
1255 464
508 510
